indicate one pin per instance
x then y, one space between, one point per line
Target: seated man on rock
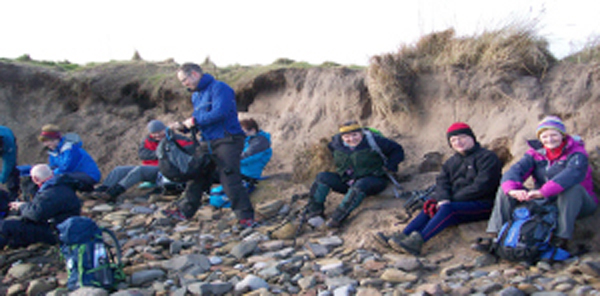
54 202
122 178
360 170
464 192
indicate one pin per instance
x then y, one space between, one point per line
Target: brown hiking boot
412 244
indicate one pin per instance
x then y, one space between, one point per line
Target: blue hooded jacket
215 109
9 156
69 157
254 160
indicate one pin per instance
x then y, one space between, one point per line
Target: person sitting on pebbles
558 164
464 192
66 156
360 171
36 220
122 178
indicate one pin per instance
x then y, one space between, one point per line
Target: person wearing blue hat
122 178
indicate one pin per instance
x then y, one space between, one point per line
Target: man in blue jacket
53 203
215 114
8 152
66 156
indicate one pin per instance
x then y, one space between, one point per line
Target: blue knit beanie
156 126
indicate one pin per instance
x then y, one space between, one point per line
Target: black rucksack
527 236
90 261
181 163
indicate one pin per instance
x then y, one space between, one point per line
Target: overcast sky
250 32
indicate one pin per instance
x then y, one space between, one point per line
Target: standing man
8 152
215 115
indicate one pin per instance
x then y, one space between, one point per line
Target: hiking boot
335 221
114 191
100 188
248 223
383 239
174 214
482 245
314 209
99 195
411 244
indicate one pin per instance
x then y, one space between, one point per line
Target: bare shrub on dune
590 53
513 48
390 80
309 162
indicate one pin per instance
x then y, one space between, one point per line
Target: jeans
127 176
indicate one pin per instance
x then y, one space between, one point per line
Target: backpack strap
373 144
116 243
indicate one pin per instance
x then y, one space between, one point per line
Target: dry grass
589 54
308 163
514 48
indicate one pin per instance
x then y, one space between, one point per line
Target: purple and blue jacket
552 177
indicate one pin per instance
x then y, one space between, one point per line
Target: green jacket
363 161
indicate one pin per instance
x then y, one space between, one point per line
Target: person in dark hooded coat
54 202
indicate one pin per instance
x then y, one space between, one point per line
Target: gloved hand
430 207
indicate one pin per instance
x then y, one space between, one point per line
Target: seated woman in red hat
464 192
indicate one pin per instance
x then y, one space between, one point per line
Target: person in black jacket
464 192
360 170
53 203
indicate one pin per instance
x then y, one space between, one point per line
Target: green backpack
90 261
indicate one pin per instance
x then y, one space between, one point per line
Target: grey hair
188 68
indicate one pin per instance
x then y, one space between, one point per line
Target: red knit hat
460 128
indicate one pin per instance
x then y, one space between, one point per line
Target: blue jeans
452 213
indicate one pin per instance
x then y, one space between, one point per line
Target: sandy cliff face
109 106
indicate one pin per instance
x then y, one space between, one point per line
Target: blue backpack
89 259
218 199
527 236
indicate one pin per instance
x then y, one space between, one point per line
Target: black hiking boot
335 221
314 209
482 245
383 240
114 192
412 244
